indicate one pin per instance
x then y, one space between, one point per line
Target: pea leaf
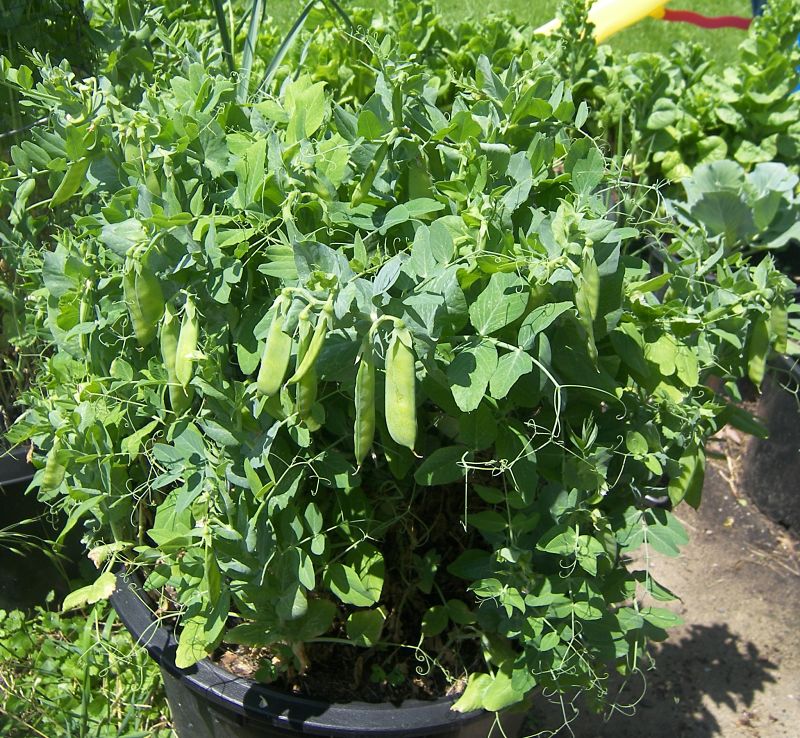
502 302
470 372
510 368
443 466
364 627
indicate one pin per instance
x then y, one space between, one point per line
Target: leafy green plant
59 27
392 376
76 676
669 112
752 211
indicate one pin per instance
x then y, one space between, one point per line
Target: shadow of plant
709 667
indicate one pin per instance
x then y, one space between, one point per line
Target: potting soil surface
733 668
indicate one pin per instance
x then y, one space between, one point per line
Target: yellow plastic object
611 16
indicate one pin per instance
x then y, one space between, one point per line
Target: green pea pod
779 324
275 359
587 293
306 393
85 313
54 470
179 397
307 360
758 350
371 172
150 297
399 397
187 344
364 430
145 300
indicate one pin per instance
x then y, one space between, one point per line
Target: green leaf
359 583
316 621
664 532
191 642
120 237
364 627
131 444
588 173
398 215
488 521
472 699
72 182
636 443
470 372
560 539
661 617
443 466
434 621
502 302
101 589
500 693
510 368
538 320
307 107
688 485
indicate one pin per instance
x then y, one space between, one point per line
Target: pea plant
372 378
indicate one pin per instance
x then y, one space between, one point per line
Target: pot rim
248 698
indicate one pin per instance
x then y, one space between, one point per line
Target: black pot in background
15 468
208 702
771 467
16 473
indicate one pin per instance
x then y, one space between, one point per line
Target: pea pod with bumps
145 300
306 392
400 394
179 397
306 360
188 337
277 352
54 470
364 429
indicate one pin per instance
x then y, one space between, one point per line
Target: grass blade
249 50
341 11
227 51
286 44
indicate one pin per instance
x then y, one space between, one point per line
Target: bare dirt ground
733 669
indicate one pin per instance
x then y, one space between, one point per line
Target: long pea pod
306 392
309 357
400 395
275 359
187 344
365 185
587 294
85 313
145 300
364 429
779 325
179 397
758 347
54 470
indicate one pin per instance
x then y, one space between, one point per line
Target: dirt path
734 668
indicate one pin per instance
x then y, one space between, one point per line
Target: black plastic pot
209 702
15 469
16 474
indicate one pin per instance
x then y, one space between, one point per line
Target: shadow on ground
709 668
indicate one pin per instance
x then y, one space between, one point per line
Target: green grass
649 35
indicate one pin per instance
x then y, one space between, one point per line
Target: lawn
649 35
